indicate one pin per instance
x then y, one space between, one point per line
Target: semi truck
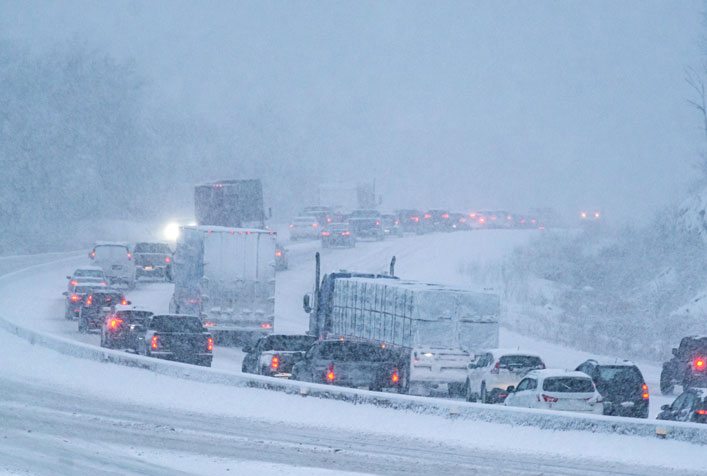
434 329
226 276
231 203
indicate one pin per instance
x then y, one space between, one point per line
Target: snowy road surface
62 415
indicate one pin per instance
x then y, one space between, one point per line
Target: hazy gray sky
446 104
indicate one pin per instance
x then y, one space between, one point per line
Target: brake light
701 412
495 368
415 219
346 233
328 220
549 399
315 225
544 365
645 394
114 323
325 233
210 344
278 253
75 297
330 376
124 302
167 260
73 283
89 300
209 324
509 217
699 363
130 256
445 215
428 216
274 362
266 325
292 225
154 342
482 220
395 377
93 254
396 222
378 223
472 215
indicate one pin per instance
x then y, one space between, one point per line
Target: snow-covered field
63 415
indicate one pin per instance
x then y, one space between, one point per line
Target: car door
684 411
516 399
251 359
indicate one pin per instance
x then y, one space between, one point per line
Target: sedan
556 390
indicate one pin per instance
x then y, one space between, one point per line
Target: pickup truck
350 364
366 224
176 337
276 355
153 260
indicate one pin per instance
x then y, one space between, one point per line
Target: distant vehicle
116 261
276 355
366 224
493 371
391 225
75 297
176 337
337 234
280 257
304 228
436 220
621 385
459 221
153 260
410 220
96 306
492 219
689 406
688 367
230 203
121 329
87 275
226 276
556 390
349 364
323 215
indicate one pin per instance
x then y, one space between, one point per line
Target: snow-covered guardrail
543 419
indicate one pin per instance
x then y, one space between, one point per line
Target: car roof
88 268
130 307
310 218
111 243
103 290
501 352
547 373
608 362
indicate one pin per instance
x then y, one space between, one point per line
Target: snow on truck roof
225 229
417 286
111 243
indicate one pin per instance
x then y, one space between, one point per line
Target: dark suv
275 355
621 385
153 260
96 306
690 405
688 367
121 329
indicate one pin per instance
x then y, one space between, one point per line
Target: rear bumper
153 271
189 359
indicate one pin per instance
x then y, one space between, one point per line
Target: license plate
148 268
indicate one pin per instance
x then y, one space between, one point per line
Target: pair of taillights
343 233
155 343
331 376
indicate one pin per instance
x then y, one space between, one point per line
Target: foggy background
116 109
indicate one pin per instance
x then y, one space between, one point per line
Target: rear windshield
108 298
176 324
152 248
521 361
304 221
568 385
353 351
289 343
83 289
111 252
364 214
134 316
88 273
619 375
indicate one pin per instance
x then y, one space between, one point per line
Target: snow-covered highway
63 415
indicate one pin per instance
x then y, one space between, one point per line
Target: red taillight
415 219
93 254
509 217
325 233
330 376
166 259
75 297
124 302
274 362
699 363
346 233
328 220
210 344
428 216
378 223
396 222
495 368
114 323
73 283
89 300
130 256
395 377
472 215
291 225
701 412
482 220
154 342
278 253
445 216
544 365
549 399
315 225
645 394
266 325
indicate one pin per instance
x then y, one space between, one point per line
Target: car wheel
666 381
456 389
470 397
484 394
83 325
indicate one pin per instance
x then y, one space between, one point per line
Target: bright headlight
171 231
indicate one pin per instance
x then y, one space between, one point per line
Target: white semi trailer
434 328
227 277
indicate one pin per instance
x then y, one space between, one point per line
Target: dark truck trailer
231 203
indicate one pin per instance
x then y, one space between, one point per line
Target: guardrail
544 419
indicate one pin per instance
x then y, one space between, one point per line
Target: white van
116 261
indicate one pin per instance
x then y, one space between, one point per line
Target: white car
494 370
433 368
556 390
116 261
304 228
87 275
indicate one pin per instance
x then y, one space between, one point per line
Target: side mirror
665 408
305 304
68 277
675 352
510 389
65 293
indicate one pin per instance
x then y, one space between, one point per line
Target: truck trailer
434 328
227 277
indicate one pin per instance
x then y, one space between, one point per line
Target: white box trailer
227 277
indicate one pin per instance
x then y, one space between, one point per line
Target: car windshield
161 248
176 324
88 273
354 351
83 289
111 252
112 298
521 361
619 374
288 343
568 385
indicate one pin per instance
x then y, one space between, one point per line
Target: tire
83 325
456 390
484 397
666 381
470 397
